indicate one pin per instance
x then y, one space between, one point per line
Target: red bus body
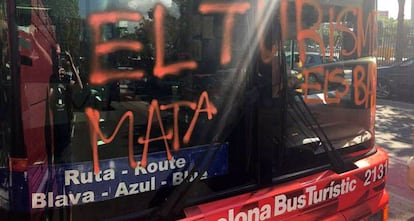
295 200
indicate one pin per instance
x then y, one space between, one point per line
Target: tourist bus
190 110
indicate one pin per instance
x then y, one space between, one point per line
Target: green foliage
387 21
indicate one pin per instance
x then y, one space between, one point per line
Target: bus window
162 103
329 106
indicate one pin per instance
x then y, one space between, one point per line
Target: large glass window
143 93
322 96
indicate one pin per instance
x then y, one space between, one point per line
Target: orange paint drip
312 32
154 108
331 36
210 109
368 87
98 75
96 133
347 30
109 47
373 75
101 77
98 18
334 76
369 33
160 69
359 85
176 108
154 111
306 86
230 9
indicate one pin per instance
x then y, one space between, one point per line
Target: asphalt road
394 126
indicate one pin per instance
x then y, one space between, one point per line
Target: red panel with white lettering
320 196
